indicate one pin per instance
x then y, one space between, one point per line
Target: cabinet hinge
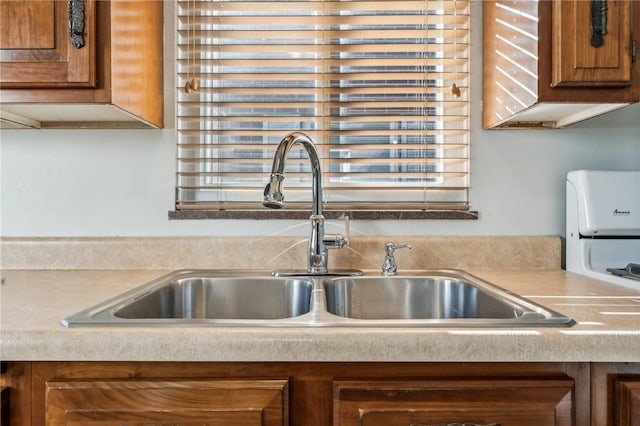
634 50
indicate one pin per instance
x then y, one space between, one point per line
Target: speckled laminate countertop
34 301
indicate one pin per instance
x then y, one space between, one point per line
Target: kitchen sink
428 298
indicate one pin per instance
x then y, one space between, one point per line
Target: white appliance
603 225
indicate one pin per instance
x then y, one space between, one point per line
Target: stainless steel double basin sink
429 298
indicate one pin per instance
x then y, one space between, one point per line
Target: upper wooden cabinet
81 63
544 65
37 48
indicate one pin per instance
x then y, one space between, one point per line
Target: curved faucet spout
273 192
274 198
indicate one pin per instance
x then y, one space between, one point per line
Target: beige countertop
34 301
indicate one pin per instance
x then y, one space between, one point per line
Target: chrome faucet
319 242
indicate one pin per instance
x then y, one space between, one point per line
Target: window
373 83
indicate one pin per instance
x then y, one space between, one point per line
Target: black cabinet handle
75 10
599 18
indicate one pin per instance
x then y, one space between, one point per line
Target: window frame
371 211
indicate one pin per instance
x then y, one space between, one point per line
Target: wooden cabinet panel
503 402
628 402
576 61
15 393
615 394
36 50
33 25
184 402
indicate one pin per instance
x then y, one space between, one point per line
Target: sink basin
449 297
223 298
433 298
209 296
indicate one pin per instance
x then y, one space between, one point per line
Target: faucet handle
389 266
338 240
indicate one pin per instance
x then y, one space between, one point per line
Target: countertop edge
252 345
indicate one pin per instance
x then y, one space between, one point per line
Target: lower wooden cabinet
319 394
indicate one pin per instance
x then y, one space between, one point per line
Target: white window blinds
374 84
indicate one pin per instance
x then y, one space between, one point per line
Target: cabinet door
168 402
36 49
582 56
628 402
502 402
15 393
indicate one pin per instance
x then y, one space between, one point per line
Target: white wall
121 182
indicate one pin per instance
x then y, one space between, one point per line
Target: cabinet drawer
168 402
525 402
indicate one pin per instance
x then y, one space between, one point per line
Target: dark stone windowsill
330 214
